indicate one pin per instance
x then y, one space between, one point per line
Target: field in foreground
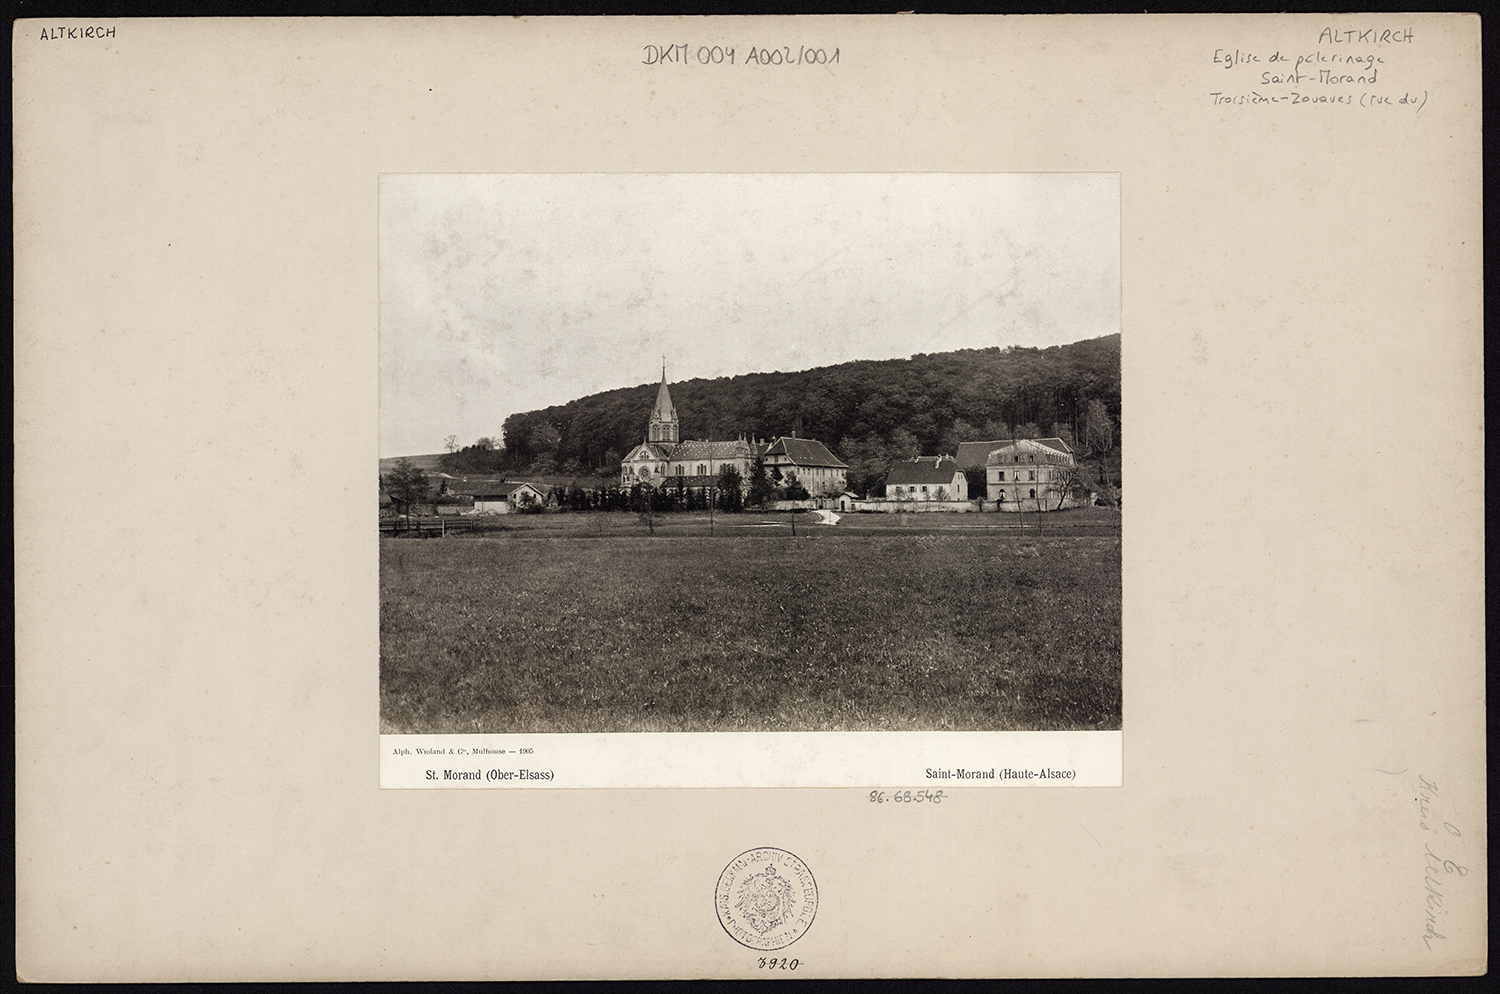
830 632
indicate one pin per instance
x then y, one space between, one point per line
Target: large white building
1030 474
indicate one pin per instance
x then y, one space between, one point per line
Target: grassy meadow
586 623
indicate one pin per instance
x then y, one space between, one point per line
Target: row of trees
407 484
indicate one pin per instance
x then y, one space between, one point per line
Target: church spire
663 424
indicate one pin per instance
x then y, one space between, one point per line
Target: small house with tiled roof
496 496
926 478
846 500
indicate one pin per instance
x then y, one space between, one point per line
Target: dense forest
867 412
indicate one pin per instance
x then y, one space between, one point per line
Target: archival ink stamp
766 898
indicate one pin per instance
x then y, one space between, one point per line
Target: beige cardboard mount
195 408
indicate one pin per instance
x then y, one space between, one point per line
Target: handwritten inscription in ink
1333 71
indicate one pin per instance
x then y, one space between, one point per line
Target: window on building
702 470
1033 493
1031 476
1002 476
924 490
1002 495
681 470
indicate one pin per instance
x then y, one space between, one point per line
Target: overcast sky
501 294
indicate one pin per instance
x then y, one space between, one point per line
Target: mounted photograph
764 453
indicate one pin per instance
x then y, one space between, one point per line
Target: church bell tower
662 429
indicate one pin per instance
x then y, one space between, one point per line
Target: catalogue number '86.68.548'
906 797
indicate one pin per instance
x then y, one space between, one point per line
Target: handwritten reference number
715 55
906 796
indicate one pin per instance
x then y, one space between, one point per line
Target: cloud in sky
507 293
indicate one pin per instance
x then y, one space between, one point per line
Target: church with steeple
663 460
662 428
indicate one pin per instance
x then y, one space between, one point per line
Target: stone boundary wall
1028 506
888 506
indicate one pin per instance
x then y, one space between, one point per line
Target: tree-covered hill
431 463
867 411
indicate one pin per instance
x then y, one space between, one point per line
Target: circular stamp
766 898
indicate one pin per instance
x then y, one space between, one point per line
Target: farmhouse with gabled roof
817 469
927 478
496 496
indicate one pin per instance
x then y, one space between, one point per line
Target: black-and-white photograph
750 453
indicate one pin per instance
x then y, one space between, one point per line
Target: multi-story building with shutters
1030 474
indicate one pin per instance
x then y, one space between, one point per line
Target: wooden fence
426 527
